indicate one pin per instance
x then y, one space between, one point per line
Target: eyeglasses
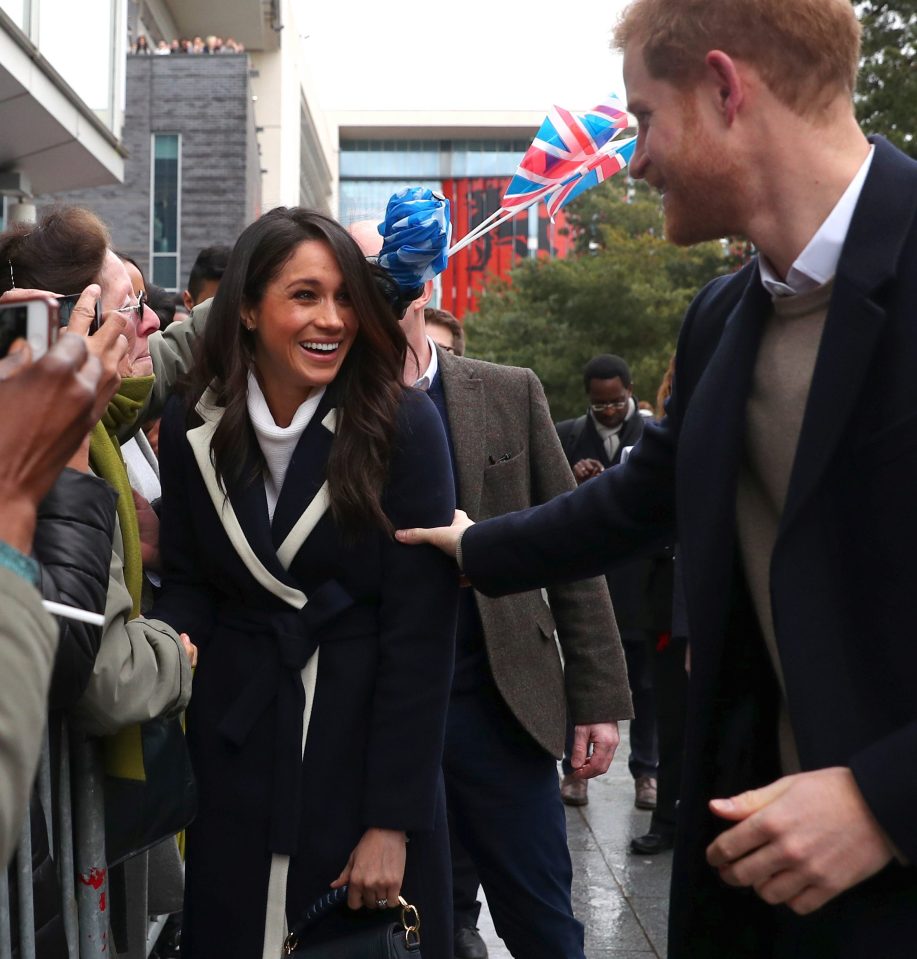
614 405
136 307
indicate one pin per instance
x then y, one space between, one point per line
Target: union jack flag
600 168
564 142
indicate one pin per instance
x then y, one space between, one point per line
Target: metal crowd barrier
77 843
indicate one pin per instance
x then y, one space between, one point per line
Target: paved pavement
621 899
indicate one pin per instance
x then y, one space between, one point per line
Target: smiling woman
318 717
303 328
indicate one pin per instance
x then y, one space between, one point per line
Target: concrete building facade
211 141
193 175
60 114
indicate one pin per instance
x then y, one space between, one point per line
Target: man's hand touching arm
446 538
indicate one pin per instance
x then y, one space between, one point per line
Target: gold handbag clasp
410 919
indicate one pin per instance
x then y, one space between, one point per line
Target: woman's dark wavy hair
367 389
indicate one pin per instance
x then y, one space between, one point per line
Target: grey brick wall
206 99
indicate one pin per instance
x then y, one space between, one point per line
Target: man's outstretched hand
444 537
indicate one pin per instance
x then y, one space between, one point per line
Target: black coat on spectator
73 548
628 583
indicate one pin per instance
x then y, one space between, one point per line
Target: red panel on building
473 199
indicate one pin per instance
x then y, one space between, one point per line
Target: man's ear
187 300
726 82
424 297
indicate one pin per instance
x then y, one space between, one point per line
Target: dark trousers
465 883
644 751
504 806
671 692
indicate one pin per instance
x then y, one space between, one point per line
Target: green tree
887 91
624 290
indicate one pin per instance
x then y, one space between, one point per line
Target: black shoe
469 944
651 843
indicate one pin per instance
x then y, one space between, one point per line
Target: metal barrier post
24 881
43 785
6 933
92 872
65 847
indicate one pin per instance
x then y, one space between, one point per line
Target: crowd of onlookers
198 45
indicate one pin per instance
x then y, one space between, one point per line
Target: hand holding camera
37 317
55 400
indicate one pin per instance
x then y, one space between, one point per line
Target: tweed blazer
508 457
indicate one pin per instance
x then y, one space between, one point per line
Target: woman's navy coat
324 669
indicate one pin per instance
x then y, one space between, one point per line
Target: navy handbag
384 940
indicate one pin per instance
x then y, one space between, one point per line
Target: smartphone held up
65 310
34 320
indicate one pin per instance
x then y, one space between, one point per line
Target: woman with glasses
317 722
138 669
142 670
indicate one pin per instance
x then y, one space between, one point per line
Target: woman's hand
109 343
375 870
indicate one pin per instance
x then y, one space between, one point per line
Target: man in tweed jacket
512 693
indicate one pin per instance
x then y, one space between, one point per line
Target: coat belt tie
296 634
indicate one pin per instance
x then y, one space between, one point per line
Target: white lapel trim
276 925
304 526
199 440
306 523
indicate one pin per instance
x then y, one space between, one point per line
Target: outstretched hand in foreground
52 405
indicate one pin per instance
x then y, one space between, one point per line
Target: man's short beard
707 188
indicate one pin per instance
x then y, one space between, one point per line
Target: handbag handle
410 919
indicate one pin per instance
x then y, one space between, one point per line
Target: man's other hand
801 841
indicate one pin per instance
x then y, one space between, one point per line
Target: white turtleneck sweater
277 442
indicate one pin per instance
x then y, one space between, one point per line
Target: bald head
366 234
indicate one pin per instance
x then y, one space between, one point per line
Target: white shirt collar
818 261
429 373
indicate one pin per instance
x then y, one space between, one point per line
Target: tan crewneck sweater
773 421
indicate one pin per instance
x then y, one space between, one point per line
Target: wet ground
621 899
